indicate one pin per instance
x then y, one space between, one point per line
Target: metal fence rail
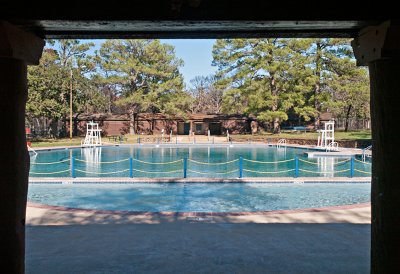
294 167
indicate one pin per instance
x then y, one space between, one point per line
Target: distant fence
185 167
353 124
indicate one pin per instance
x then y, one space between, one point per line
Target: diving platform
339 154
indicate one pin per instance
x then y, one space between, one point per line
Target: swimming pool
199 197
216 161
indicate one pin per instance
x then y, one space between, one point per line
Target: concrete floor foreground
185 247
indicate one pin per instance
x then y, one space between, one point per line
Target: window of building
199 127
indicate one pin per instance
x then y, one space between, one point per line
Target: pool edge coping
197 214
122 180
224 144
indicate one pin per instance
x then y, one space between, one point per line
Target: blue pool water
203 161
199 197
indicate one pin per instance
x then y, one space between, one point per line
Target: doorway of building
198 128
215 128
183 128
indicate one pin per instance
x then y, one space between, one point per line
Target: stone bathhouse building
148 123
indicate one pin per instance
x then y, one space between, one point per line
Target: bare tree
215 99
206 97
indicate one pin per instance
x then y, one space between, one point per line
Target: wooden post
17 50
379 48
385 223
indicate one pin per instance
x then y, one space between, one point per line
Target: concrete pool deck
38 214
327 240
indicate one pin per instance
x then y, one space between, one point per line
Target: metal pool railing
185 167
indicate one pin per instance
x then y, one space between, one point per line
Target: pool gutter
125 180
206 144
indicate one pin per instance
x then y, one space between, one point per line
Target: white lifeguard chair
93 135
326 136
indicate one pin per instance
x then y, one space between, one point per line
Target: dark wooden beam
197 18
192 29
195 34
206 10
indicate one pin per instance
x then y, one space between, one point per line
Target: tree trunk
75 126
274 92
317 87
54 128
132 123
45 130
277 128
109 100
346 127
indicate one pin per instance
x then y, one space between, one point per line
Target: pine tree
269 78
49 83
145 76
259 77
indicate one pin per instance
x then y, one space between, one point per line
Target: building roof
150 116
100 116
326 116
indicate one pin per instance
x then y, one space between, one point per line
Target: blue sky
196 54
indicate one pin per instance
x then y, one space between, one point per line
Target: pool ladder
333 146
31 150
281 142
364 153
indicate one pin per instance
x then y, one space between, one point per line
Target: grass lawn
132 139
62 142
76 141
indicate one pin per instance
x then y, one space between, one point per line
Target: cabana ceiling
191 29
197 19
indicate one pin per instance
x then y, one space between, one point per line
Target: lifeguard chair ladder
93 135
326 136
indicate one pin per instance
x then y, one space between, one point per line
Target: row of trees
269 79
123 76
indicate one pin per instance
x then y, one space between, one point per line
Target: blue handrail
295 166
